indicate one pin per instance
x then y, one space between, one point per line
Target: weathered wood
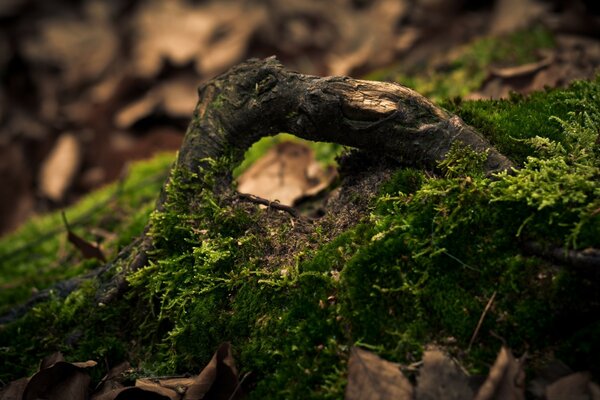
261 98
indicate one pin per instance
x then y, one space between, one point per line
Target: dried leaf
573 387
87 249
549 373
505 380
60 167
178 385
59 381
14 390
286 173
371 378
522 70
441 378
218 380
112 380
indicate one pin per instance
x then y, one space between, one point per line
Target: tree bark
261 98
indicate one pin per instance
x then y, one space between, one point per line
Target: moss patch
416 263
464 71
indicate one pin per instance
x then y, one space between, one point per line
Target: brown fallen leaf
178 385
505 380
522 70
112 380
60 167
286 173
441 378
371 378
576 386
59 380
218 380
14 390
87 249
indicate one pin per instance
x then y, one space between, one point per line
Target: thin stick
271 204
485 311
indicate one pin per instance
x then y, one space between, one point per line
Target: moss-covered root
261 98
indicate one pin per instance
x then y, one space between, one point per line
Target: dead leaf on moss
522 70
87 249
14 390
371 378
441 378
218 380
506 379
112 380
286 173
576 386
59 380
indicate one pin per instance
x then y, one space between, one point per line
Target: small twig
271 204
483 314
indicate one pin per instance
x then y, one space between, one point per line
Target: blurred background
89 85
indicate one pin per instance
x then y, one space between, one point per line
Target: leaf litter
59 380
370 377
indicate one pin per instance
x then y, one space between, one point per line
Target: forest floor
391 276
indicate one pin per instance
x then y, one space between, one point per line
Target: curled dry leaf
522 70
576 386
441 378
286 173
112 380
218 380
87 249
58 380
371 378
506 379
14 390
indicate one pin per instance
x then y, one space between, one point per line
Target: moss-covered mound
402 258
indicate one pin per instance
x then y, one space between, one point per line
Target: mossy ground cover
418 267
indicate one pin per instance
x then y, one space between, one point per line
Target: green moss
419 268
466 70
38 254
